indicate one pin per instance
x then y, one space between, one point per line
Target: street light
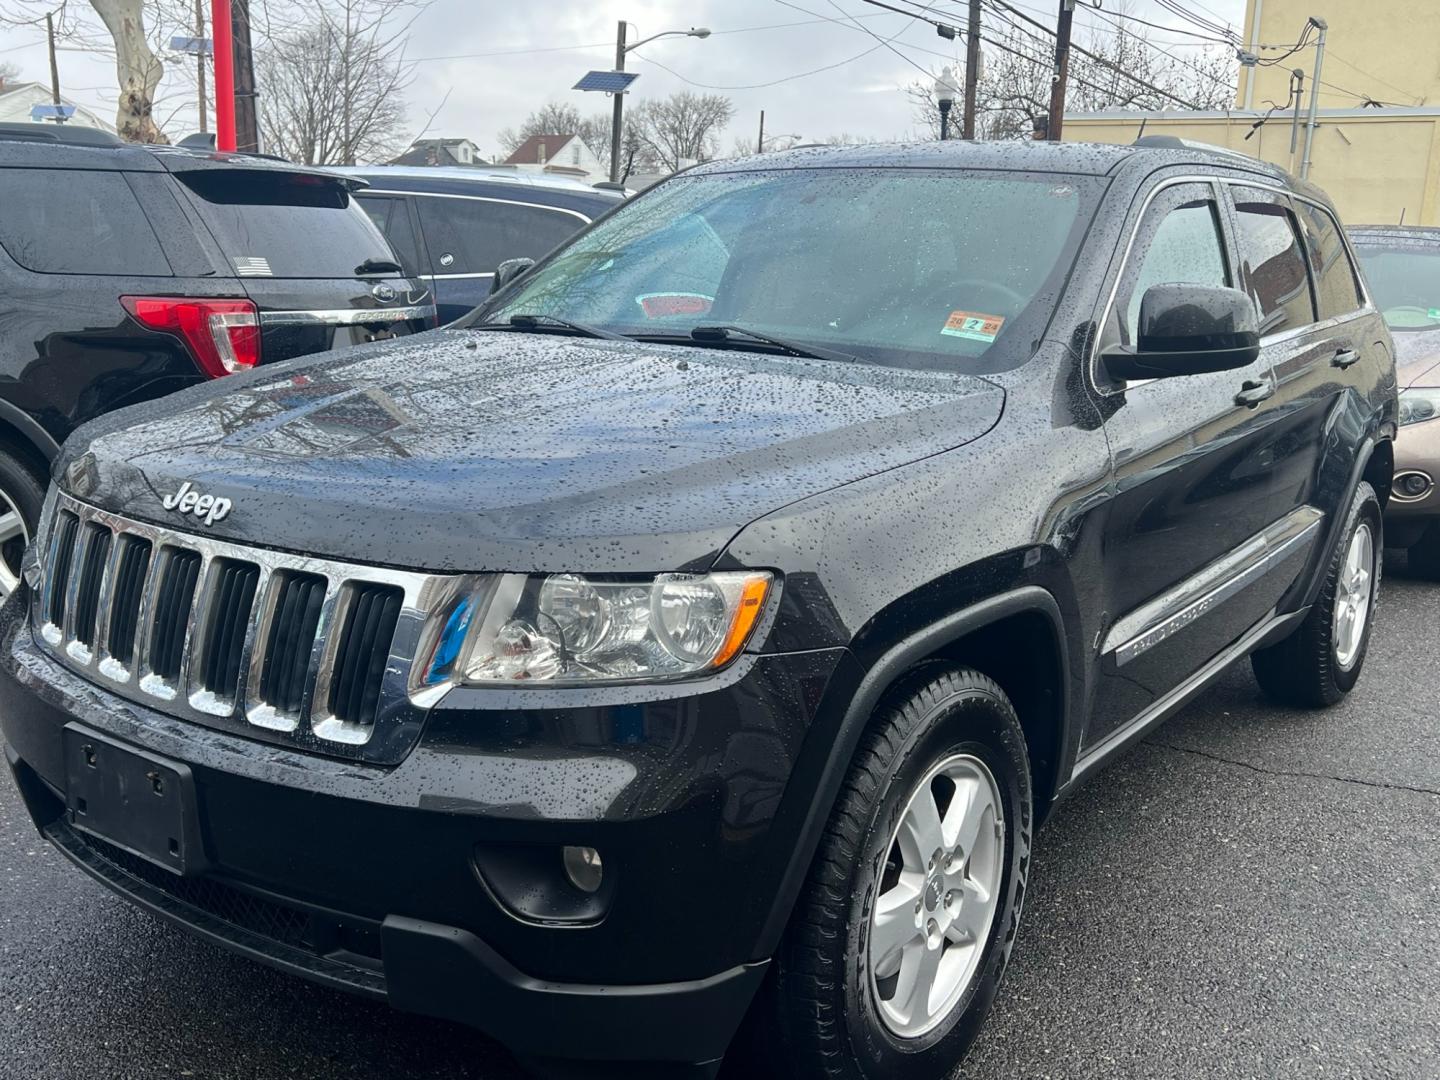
945 92
618 120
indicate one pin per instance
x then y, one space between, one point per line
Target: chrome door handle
1344 358
1254 391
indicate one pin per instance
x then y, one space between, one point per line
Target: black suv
128 272
700 634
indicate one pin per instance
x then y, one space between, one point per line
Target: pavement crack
1296 774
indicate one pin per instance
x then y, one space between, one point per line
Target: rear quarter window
77 222
1337 284
284 225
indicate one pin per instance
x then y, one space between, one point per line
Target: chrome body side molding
1173 610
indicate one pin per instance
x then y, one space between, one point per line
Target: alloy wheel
1354 596
13 538
938 896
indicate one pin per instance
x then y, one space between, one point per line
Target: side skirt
1270 629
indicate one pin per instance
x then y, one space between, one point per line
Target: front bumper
374 879
1417 449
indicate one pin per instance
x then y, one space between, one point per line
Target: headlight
565 629
1418 404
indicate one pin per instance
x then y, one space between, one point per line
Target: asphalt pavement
1253 892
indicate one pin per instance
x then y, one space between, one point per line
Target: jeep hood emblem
187 500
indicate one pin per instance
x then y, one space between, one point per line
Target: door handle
1344 358
1254 391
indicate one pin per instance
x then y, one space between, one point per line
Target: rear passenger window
76 222
1273 262
478 235
1337 286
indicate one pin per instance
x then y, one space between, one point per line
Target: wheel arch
989 635
22 431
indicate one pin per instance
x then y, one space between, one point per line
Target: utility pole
1062 69
54 67
972 70
1321 25
617 121
200 65
1297 95
247 123
760 142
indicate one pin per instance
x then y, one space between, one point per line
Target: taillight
223 335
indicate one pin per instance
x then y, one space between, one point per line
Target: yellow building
1384 50
1379 162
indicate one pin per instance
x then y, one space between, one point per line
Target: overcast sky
487 54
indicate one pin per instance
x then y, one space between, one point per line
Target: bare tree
9 71
332 92
1015 85
137 69
116 28
682 127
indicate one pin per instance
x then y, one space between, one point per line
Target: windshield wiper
378 266
549 323
721 334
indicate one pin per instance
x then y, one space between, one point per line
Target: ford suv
692 640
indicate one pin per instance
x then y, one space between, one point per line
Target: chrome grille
239 637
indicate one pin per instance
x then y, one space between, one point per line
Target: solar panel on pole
607 82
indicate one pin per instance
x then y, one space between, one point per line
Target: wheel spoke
11 526
894 925
920 833
917 980
976 816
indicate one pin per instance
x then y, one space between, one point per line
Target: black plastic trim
877 680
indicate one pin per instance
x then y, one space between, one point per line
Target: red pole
224 75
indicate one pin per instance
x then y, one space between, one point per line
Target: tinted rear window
286 226
76 222
480 234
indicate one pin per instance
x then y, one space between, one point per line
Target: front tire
22 492
898 942
1320 662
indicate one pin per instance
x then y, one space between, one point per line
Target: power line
798 75
1102 61
1370 75
1119 28
610 44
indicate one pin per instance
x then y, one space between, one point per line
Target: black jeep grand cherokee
706 628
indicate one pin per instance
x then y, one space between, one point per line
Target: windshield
1405 282
904 267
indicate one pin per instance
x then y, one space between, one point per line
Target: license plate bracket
138 801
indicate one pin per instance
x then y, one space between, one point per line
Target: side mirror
507 272
1186 330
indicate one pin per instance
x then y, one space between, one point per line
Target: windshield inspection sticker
973 325
669 304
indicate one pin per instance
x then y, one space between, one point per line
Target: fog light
1412 485
583 868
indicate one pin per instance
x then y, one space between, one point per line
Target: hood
1417 353
464 450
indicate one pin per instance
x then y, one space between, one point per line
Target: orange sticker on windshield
973 325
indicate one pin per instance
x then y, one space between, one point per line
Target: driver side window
1179 244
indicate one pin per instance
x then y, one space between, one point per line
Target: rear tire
22 492
847 997
1425 554
1320 662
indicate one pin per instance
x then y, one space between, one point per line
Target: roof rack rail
58 133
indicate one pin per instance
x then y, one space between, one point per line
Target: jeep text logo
207 508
